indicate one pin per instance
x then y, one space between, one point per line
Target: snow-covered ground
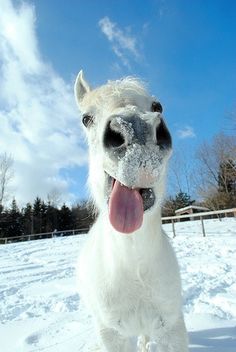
40 309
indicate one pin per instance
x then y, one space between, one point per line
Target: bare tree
231 121
54 197
181 171
216 173
6 174
234 121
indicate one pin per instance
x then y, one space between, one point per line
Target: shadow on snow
213 340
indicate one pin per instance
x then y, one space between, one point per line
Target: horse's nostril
163 137
112 138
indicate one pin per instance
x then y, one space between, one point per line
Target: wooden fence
198 216
37 236
165 220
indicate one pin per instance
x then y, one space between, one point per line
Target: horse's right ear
81 87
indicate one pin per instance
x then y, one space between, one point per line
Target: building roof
197 207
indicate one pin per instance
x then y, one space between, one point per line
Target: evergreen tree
15 227
51 218
4 222
181 200
37 216
65 219
27 215
44 209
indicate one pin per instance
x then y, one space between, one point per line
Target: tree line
41 217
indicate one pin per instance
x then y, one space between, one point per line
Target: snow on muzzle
134 177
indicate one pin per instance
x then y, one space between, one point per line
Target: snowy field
40 309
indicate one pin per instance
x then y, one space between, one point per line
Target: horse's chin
147 194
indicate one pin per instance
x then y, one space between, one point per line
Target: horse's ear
81 87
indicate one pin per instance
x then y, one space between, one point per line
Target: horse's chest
128 305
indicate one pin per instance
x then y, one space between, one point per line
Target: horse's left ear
81 87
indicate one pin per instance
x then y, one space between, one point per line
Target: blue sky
187 51
184 50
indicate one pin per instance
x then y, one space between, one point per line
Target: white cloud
186 132
123 44
38 117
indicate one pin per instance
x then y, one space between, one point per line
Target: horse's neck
143 242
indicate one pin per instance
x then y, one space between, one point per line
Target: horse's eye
156 107
87 120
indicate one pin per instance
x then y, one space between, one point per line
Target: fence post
6 240
173 228
203 228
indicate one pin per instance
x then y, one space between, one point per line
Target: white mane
119 93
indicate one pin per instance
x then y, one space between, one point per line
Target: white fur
131 283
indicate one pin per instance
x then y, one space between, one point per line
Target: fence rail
200 216
203 214
35 236
166 219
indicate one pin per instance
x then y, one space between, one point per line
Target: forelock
118 93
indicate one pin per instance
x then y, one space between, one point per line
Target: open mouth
127 205
147 194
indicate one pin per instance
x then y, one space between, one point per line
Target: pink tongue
125 208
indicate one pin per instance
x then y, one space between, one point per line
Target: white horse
128 272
